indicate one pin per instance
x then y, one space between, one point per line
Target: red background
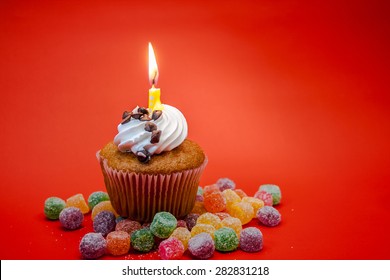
295 94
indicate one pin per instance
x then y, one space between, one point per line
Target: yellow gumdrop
242 210
231 197
183 234
255 202
103 206
199 228
78 201
209 219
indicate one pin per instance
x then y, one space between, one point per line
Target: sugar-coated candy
214 202
265 197
200 191
231 197
181 223
119 218
97 197
163 224
118 243
251 239
199 198
128 226
71 218
225 183
171 249
210 219
269 216
201 246
226 239
210 189
183 234
53 207
222 215
191 220
274 190
104 222
103 206
255 202
92 246
242 210
233 223
199 228
146 225
142 240
78 201
198 208
240 193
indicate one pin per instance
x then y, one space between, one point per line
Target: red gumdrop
265 197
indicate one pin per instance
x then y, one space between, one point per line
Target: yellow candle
154 93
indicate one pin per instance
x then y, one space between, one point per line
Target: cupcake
151 166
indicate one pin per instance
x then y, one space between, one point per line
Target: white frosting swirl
133 137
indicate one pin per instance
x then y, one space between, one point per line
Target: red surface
295 94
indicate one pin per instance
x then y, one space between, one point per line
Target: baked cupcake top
146 133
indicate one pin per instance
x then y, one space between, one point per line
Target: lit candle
154 93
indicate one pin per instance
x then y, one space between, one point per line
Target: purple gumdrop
225 183
269 216
201 246
191 220
93 246
181 223
251 239
71 218
104 222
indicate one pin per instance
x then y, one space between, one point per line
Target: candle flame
153 70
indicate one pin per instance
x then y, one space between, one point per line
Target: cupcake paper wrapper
141 196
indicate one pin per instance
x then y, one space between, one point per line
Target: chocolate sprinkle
156 114
149 126
143 156
126 119
156 134
125 114
136 115
143 110
145 117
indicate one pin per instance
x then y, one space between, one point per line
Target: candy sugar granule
104 222
71 218
201 246
142 240
53 207
233 223
128 225
269 216
210 219
225 183
182 234
103 206
97 197
199 228
163 224
118 243
242 210
171 249
251 239
92 246
78 201
274 190
226 239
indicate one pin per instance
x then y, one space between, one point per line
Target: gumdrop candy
226 239
201 246
251 239
240 193
104 222
242 210
53 207
199 228
142 240
118 243
225 183
198 208
191 220
200 191
78 201
128 226
199 198
233 223
231 197
181 223
183 234
97 197
274 190
71 218
210 189
210 219
214 202
171 249
103 206
255 202
92 246
265 197
163 224
269 216
222 215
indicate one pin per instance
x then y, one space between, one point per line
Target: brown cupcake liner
140 196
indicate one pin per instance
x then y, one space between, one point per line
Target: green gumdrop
97 197
163 224
142 240
200 191
53 207
274 190
226 239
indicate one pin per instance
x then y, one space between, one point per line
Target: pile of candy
215 223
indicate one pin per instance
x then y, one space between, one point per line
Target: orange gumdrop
214 202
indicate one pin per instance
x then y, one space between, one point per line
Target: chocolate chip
126 119
136 115
125 114
143 110
143 156
156 114
145 117
155 138
149 126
